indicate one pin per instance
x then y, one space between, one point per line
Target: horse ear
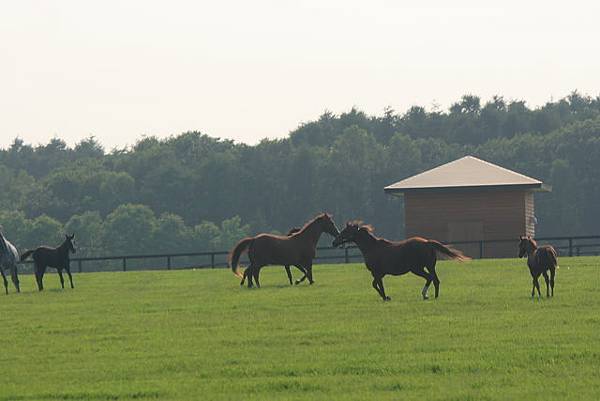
72 236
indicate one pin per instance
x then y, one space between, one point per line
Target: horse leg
62 280
14 275
4 279
39 275
289 274
375 285
309 273
547 284
552 272
434 276
428 279
68 269
382 293
255 274
536 285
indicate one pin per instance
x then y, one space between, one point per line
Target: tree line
192 192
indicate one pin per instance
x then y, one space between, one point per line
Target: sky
247 70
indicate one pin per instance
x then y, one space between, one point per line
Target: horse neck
312 232
63 249
365 242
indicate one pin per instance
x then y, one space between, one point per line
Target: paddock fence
566 246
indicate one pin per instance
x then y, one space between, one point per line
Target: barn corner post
471 201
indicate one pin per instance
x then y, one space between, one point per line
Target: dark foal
267 249
415 255
58 258
540 260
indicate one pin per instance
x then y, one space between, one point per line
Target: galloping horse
57 258
539 260
397 258
9 256
298 249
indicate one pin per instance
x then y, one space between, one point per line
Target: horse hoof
297 282
387 299
311 283
425 297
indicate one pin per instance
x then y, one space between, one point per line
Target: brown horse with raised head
298 249
540 260
415 255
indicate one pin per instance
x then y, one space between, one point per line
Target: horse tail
554 257
448 251
236 252
25 255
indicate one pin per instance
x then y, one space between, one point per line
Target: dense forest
192 192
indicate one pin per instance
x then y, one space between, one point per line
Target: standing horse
539 260
298 249
9 257
57 258
415 255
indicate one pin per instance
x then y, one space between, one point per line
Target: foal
57 258
540 260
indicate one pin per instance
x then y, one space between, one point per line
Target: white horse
9 257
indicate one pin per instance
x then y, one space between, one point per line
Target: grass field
186 335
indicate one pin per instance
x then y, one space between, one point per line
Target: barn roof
466 173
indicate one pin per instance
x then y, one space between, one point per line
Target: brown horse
298 249
415 255
540 260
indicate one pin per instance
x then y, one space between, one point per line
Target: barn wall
468 216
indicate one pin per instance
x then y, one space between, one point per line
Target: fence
566 246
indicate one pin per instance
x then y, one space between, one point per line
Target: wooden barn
470 199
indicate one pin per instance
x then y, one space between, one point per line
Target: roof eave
537 187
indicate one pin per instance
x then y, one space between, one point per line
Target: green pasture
196 335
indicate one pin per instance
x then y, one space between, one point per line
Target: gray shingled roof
466 172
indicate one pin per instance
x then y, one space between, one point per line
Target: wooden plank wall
503 214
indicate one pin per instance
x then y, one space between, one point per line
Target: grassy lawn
185 335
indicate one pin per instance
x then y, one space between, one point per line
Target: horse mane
311 221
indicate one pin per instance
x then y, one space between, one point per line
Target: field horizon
195 334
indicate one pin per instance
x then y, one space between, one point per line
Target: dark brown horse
298 249
415 255
58 258
540 260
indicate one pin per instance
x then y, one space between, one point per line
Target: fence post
578 251
481 249
79 265
346 258
212 260
570 246
168 263
124 264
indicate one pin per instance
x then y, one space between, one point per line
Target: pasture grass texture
186 335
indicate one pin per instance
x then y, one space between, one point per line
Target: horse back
546 257
49 256
276 249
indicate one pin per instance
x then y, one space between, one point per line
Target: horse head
351 232
328 225
526 245
69 242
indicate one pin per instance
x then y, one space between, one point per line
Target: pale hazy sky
252 69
